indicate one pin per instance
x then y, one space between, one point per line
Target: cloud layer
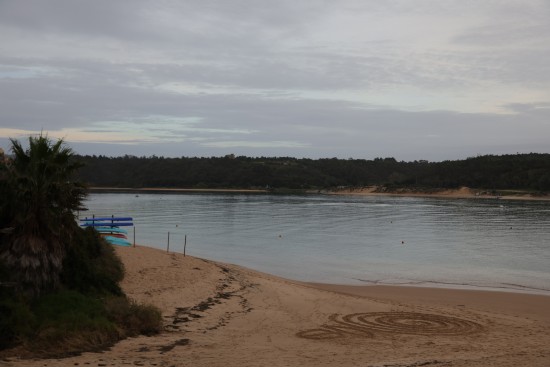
427 79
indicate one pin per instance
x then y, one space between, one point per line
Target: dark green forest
519 172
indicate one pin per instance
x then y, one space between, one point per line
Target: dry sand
225 315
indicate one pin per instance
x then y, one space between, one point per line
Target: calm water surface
349 239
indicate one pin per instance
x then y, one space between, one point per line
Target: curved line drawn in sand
413 323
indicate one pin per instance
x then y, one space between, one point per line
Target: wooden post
184 245
134 236
168 245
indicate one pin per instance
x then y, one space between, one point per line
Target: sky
409 79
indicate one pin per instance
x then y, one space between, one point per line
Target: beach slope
224 315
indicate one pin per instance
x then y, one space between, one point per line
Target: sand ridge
225 315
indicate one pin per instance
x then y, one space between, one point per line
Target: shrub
134 318
16 321
69 322
91 265
90 313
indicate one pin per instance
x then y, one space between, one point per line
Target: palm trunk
35 262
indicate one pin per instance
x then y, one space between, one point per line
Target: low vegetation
59 283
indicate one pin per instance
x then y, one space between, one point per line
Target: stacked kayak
109 228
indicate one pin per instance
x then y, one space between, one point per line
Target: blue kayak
115 219
110 230
117 241
105 224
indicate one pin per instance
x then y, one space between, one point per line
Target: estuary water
465 243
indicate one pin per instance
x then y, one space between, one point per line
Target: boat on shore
109 228
117 241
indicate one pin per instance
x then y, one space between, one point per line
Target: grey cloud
322 128
105 18
259 68
539 112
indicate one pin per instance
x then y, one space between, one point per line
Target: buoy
402 242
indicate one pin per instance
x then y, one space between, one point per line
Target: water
493 244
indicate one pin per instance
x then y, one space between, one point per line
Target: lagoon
465 243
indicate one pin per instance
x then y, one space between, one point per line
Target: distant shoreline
461 193
164 189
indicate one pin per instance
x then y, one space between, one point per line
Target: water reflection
348 239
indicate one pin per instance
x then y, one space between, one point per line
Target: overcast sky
414 79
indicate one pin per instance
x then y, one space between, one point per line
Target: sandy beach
460 193
225 315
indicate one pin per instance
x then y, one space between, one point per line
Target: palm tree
38 215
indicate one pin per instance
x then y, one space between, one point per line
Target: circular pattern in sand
413 323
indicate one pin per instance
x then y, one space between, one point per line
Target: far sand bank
461 193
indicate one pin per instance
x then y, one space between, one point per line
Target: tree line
493 172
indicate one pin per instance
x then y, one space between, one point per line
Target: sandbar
459 193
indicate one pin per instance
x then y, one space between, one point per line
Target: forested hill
521 171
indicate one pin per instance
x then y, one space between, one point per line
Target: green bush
16 321
135 319
91 265
15 315
69 322
90 312
68 308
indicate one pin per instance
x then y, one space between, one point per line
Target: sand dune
225 315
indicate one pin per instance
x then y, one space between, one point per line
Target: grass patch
16 321
69 322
